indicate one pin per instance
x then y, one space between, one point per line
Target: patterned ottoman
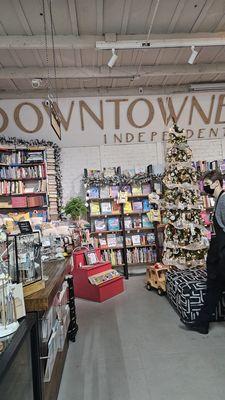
186 291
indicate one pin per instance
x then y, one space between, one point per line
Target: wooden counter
42 300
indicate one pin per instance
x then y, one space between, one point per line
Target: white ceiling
21 21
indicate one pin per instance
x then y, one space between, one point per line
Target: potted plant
75 207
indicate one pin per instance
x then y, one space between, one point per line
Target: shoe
202 328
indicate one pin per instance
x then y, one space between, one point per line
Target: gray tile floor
133 347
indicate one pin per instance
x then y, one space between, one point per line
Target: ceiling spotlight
193 55
36 83
113 59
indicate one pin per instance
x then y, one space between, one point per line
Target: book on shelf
20 201
128 207
140 170
119 241
37 201
137 206
100 225
146 188
106 207
95 208
150 238
146 205
94 173
104 192
126 188
136 190
109 172
128 241
102 242
111 240
113 224
136 240
137 222
114 191
143 240
116 208
93 192
146 223
128 223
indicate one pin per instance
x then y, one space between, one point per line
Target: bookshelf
123 232
27 180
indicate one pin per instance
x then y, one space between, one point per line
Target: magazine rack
96 282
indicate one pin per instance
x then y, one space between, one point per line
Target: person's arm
220 216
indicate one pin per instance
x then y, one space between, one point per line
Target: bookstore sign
117 120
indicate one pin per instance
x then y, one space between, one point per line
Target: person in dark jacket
215 262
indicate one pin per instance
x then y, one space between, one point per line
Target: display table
87 278
41 303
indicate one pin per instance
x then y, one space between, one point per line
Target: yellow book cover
128 207
136 190
95 208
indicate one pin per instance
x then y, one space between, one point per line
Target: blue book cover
94 192
146 205
113 224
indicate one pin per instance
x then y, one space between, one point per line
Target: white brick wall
75 159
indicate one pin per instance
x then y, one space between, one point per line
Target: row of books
37 171
208 202
138 222
204 166
19 187
113 191
113 240
109 224
134 256
21 157
137 206
115 257
107 207
22 202
104 277
141 255
114 223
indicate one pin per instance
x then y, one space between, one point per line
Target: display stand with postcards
93 279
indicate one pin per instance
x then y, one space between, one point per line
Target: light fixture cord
148 35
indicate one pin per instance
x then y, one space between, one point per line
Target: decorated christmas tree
185 244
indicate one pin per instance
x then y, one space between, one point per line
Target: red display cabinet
87 278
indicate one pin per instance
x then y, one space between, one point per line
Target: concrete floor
133 347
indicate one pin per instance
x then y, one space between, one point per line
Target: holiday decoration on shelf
186 243
116 177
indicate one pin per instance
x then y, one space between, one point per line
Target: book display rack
28 180
122 232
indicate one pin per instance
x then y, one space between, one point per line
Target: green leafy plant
75 207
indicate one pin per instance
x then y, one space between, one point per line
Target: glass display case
24 257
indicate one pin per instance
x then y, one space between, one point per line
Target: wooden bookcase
27 180
132 241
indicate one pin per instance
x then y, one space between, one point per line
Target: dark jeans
215 283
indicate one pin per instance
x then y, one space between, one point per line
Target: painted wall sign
118 120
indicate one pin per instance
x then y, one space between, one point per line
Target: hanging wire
148 36
52 90
53 50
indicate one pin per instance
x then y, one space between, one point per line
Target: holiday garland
119 179
57 155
